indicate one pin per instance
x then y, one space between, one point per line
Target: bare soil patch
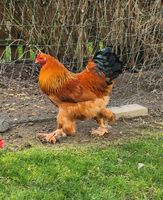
29 111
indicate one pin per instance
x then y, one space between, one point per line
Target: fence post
2 48
3 35
14 52
26 52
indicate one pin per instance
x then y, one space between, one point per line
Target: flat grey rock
4 125
129 111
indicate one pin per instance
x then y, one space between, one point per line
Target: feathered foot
51 137
99 132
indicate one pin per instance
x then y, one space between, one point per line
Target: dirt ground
29 112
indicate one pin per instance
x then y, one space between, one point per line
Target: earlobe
44 61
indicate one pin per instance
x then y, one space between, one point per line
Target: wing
87 85
75 92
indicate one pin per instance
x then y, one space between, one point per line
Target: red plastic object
1 143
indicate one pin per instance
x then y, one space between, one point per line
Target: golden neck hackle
53 75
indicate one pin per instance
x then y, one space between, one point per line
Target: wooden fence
10 41
75 29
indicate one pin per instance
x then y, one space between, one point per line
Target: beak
36 60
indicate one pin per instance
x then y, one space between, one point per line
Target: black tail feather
108 63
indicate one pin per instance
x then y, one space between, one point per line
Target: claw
99 132
47 138
51 137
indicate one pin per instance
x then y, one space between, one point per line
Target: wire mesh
74 30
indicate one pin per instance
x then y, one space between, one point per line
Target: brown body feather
56 80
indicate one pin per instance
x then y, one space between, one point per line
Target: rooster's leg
105 115
102 130
65 127
108 114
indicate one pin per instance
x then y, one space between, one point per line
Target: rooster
83 95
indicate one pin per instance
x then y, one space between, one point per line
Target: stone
129 111
4 125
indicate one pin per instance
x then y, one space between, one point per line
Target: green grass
8 54
32 54
20 51
84 172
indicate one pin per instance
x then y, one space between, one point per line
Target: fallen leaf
140 165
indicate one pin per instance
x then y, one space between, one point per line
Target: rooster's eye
42 60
